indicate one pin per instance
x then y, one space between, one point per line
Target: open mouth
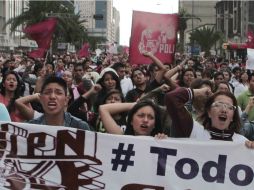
144 126
52 105
222 118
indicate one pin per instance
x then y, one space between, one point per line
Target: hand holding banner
38 157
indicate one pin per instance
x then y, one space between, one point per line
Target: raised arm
182 122
23 105
162 69
107 110
74 108
170 73
156 92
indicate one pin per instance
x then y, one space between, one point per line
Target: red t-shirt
15 115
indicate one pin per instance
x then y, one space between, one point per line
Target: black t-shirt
136 93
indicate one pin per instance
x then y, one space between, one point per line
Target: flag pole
46 58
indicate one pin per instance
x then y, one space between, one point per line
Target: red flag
42 33
126 50
250 36
238 45
38 53
155 33
84 51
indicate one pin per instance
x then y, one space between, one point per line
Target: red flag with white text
42 33
84 51
156 33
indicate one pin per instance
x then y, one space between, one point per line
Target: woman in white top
220 120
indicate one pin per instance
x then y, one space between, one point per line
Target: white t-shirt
200 133
126 85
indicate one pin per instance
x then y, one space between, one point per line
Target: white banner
47 157
250 60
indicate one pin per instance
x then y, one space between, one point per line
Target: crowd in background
113 96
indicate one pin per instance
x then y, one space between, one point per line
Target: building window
235 20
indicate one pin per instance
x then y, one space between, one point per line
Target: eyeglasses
222 105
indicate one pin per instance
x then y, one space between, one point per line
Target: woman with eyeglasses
219 121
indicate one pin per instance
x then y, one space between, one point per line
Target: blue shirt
4 114
69 121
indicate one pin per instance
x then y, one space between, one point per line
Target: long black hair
17 93
101 95
157 128
114 76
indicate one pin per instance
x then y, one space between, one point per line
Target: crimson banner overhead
84 51
42 33
250 36
156 33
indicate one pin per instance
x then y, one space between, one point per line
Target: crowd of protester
196 97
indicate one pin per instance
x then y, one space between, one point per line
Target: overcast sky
125 7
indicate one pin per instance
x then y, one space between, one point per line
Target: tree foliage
69 28
205 37
184 17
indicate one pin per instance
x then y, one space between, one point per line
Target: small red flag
250 36
126 50
84 51
38 53
155 33
42 33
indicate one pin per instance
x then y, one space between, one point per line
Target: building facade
205 10
99 17
116 26
234 19
12 41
